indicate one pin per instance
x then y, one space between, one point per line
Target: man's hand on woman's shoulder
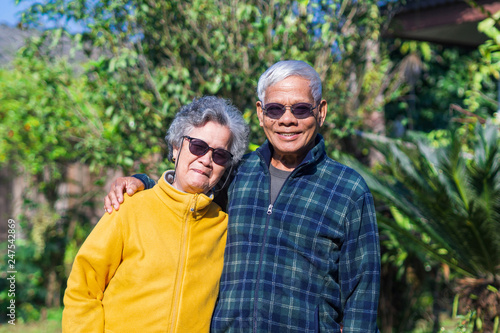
121 185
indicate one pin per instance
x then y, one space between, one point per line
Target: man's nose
288 118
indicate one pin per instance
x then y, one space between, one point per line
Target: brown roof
414 5
441 21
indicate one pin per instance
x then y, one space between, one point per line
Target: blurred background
88 89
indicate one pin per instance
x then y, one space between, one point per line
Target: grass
53 325
50 325
43 326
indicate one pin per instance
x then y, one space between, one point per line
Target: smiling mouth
287 134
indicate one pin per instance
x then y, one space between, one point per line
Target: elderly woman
154 265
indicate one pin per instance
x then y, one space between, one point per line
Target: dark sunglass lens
302 110
221 156
275 110
198 147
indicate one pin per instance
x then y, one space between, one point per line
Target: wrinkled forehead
291 77
293 89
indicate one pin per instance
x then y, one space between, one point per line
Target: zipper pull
193 206
270 209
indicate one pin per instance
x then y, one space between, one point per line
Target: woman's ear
175 153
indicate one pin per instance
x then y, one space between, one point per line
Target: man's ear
322 110
260 113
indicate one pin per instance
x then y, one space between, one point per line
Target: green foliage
439 77
29 293
450 193
444 206
489 66
50 324
46 117
44 251
156 56
39 124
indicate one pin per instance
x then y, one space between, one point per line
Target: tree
160 54
45 118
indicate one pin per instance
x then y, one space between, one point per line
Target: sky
9 12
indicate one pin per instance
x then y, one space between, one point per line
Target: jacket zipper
264 240
263 245
182 264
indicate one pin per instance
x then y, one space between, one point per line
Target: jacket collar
198 202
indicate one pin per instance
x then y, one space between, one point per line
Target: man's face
290 137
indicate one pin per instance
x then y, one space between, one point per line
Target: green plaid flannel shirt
310 262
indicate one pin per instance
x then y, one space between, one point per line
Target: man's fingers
116 193
119 187
111 201
107 205
115 196
134 185
114 202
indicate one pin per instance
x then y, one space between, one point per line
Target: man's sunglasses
299 110
199 148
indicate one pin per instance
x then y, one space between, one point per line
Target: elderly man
302 251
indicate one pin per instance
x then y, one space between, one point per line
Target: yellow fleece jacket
152 266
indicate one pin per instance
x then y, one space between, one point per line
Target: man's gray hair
202 110
285 68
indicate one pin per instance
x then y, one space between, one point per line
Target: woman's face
199 174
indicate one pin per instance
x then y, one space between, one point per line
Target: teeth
288 134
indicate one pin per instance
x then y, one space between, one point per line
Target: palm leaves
450 193
446 200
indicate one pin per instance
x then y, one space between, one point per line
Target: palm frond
450 193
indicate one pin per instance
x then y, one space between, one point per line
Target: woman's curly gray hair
203 110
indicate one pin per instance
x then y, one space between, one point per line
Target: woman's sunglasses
199 148
299 110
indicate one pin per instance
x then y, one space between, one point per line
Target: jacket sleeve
94 266
359 269
148 182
